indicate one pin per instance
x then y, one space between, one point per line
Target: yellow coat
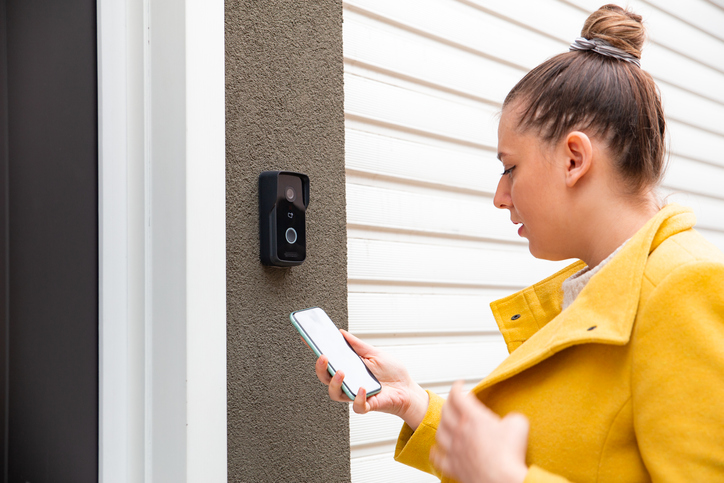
627 384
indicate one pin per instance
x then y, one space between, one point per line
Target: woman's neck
611 225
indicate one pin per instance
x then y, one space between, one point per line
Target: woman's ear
578 152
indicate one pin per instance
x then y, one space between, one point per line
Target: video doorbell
283 201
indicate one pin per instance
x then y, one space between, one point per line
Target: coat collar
604 312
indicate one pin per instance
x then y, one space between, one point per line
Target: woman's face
532 188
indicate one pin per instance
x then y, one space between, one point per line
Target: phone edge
345 388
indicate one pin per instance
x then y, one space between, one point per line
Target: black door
48 241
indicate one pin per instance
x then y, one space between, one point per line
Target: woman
616 372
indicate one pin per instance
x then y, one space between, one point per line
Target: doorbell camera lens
291 236
290 194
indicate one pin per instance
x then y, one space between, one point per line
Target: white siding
424 81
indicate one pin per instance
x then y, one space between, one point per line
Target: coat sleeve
677 376
413 447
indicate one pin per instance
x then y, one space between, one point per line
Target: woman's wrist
417 407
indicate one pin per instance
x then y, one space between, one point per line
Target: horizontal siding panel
468 121
467 27
561 21
373 428
470 169
370 41
404 313
700 13
448 362
445 213
666 29
683 106
695 143
681 71
381 468
695 177
409 262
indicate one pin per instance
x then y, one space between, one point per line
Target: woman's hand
400 395
475 445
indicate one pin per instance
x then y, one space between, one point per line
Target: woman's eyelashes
508 171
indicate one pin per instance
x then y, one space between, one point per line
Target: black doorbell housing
283 201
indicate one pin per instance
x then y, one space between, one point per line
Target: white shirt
573 285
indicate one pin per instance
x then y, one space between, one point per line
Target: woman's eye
508 171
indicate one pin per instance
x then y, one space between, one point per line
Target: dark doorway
48 241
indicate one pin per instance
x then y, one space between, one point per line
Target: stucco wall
284 110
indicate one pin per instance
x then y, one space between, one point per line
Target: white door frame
162 241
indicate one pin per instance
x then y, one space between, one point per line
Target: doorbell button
291 236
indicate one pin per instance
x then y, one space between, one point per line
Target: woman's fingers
456 392
360 405
518 427
474 444
443 436
362 349
440 460
449 419
517 422
453 409
321 369
461 403
335 388
445 429
437 458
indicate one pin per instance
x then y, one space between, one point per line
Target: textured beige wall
284 110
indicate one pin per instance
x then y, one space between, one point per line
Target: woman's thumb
362 349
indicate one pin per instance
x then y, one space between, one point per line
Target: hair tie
603 48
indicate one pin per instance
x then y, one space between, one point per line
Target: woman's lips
520 229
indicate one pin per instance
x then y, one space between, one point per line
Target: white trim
113 243
147 247
166 254
145 22
206 241
162 241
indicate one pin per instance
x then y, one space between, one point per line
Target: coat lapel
604 312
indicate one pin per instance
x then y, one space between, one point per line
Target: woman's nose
502 194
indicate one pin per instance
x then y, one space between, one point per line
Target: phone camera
291 236
290 194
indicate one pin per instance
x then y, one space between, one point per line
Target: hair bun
621 28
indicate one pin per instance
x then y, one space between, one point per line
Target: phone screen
325 338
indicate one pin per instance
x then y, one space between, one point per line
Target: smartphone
324 337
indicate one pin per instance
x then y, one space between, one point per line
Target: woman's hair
608 97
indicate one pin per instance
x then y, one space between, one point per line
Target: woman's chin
533 249
543 254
